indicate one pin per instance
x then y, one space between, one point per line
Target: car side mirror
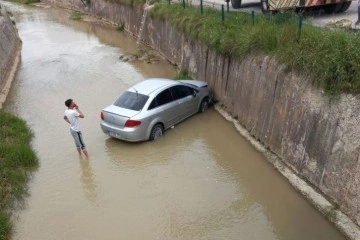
194 93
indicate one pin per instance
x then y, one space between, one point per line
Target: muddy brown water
201 180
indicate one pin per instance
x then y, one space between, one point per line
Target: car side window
181 91
153 104
162 98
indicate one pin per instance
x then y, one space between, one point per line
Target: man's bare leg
85 152
79 151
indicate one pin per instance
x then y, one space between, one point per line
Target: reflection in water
87 178
199 199
174 144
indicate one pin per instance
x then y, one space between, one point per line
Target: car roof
148 86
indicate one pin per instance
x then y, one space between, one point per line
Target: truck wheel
236 4
332 8
345 6
264 6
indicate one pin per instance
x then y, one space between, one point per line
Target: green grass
25 1
17 161
30 1
330 56
120 26
128 2
182 75
76 16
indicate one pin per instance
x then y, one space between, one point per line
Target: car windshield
131 100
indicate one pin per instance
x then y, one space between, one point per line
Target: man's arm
81 115
66 119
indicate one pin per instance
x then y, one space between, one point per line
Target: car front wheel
156 132
204 105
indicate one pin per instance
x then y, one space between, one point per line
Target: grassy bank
330 56
183 74
17 160
25 1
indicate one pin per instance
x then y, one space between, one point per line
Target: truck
329 6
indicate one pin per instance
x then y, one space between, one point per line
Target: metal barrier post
227 5
299 28
201 6
222 13
253 17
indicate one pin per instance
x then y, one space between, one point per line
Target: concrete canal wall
10 53
317 137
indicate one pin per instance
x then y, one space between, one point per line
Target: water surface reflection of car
145 110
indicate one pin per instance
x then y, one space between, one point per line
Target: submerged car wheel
156 132
204 105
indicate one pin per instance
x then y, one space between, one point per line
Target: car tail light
132 123
102 116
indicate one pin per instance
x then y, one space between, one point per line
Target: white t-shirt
73 117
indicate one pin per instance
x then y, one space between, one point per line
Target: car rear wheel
156 132
204 105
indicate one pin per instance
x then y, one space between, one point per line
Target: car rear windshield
131 100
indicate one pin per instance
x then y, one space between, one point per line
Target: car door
164 107
187 101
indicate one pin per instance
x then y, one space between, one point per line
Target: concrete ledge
10 53
12 73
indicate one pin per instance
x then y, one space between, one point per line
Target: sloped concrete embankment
10 53
316 136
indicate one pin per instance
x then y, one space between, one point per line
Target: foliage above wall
330 56
128 2
25 1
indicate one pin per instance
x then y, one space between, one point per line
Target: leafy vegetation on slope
330 56
17 161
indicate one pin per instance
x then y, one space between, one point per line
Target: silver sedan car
145 110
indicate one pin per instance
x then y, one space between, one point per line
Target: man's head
68 102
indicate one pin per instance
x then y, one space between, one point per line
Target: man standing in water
72 115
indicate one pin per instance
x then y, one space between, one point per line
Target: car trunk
118 116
